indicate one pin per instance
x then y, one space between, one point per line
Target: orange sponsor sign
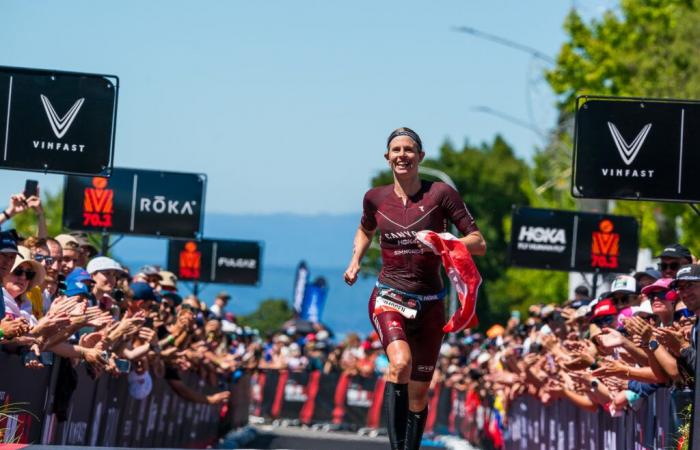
190 261
98 204
605 248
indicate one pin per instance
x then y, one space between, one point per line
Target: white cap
624 283
484 357
643 308
140 385
103 263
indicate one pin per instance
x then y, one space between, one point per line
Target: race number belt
390 299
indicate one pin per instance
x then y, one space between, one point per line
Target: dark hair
405 131
581 290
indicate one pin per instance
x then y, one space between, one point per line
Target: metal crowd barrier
101 412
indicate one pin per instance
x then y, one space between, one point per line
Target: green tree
269 316
646 48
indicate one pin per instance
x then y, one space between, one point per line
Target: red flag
462 273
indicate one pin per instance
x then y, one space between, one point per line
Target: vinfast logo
61 125
628 153
542 239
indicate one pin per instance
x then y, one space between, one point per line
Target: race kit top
405 266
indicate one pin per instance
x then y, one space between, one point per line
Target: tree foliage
645 48
269 316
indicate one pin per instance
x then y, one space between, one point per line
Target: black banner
216 261
58 122
573 241
636 149
142 202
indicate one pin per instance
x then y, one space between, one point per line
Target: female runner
406 306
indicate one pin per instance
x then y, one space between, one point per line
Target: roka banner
141 202
60 122
573 241
216 261
640 149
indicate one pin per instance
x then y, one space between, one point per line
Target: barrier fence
356 402
102 412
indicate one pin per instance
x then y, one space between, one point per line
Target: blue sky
286 104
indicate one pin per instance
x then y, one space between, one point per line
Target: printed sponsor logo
542 239
359 397
628 153
423 368
237 263
190 261
605 248
159 205
294 392
98 204
60 126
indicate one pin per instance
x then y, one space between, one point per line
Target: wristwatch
594 384
653 344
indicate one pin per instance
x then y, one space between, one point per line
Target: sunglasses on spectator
604 321
188 307
42 258
681 313
28 274
671 266
661 295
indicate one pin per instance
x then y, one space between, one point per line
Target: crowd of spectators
609 353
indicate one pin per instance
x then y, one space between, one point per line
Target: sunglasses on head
42 258
28 274
681 313
188 307
671 266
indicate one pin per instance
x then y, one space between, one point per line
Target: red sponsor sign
190 261
98 204
605 247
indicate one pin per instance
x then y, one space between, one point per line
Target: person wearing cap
87 248
8 251
646 277
662 299
168 281
671 258
142 298
25 274
149 274
604 313
70 249
104 272
687 283
623 291
220 303
42 296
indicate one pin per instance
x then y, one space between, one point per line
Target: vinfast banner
59 122
642 149
216 261
134 201
573 241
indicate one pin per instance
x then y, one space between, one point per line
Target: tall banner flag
58 122
300 281
314 300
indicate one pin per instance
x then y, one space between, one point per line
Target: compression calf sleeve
414 428
396 410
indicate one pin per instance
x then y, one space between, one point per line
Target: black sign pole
105 243
594 288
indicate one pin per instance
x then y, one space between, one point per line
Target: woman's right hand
351 273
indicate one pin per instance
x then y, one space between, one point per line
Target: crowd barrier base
102 412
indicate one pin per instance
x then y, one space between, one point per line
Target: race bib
388 300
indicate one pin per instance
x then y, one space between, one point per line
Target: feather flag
462 273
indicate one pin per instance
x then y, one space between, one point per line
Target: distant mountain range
323 241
